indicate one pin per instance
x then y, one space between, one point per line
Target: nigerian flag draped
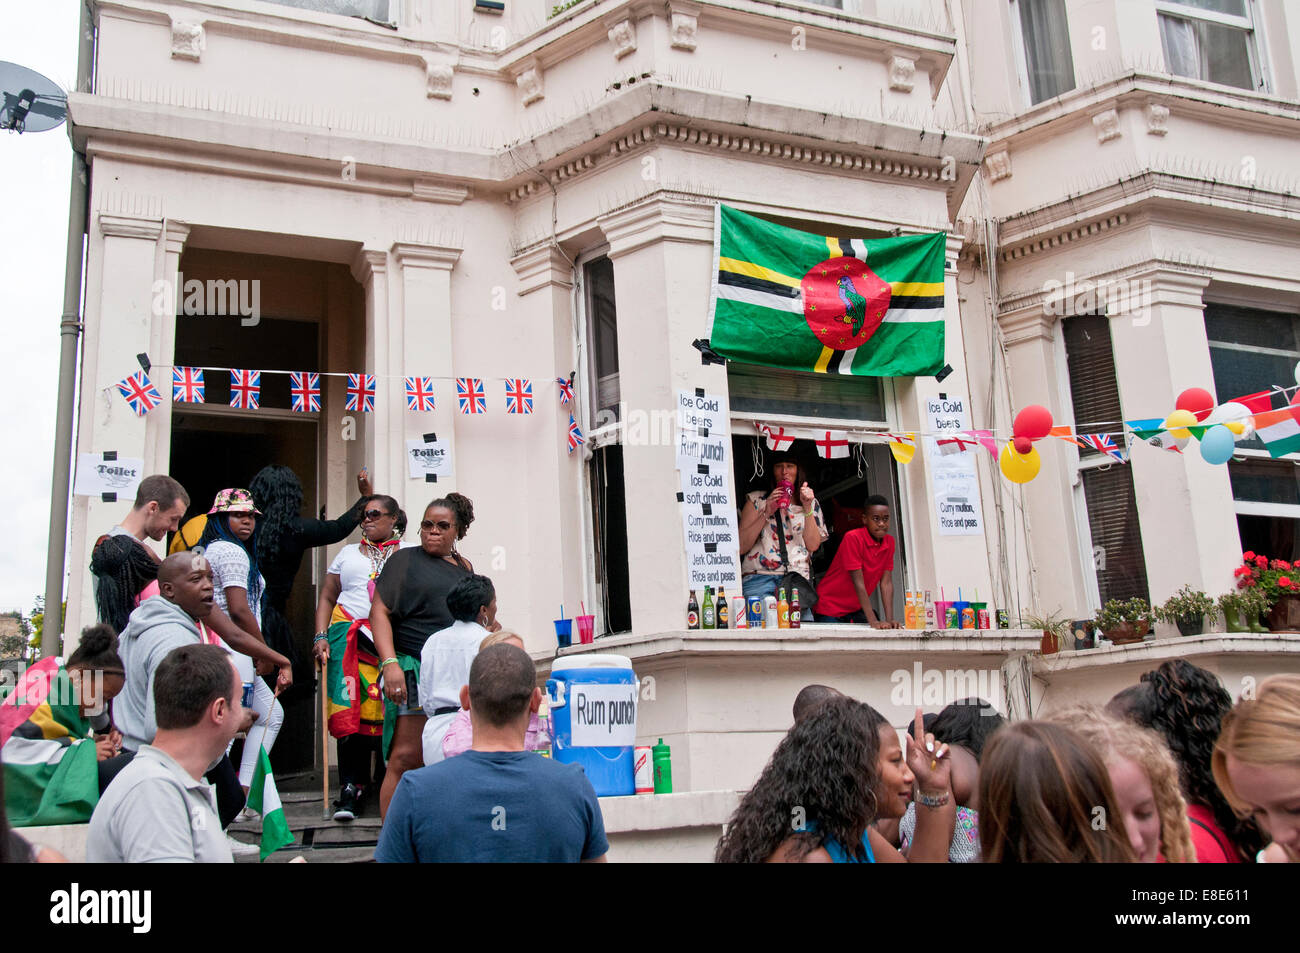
794 300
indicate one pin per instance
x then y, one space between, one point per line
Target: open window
1210 40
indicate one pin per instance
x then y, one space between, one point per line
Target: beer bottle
708 620
692 613
782 611
723 609
795 618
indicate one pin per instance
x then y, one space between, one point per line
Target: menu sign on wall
709 521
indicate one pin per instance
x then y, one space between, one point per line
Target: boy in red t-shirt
863 563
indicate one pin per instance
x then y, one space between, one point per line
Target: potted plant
1187 608
1272 577
1124 622
1056 631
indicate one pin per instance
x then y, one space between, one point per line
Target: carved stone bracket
1107 125
188 40
438 77
623 35
530 84
998 165
1157 119
902 71
684 25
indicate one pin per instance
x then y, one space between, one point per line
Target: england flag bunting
419 394
187 385
470 396
575 435
361 393
304 389
140 394
956 444
832 444
566 390
245 387
519 396
776 437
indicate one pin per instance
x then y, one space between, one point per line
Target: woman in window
229 543
791 509
1257 764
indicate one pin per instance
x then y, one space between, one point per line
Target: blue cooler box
593 700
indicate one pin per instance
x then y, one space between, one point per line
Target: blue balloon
1217 444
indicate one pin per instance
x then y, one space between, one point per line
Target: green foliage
1186 604
561 7
1116 612
1058 629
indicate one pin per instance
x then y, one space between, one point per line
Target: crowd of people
1198 780
435 708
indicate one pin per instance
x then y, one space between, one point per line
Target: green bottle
709 621
661 754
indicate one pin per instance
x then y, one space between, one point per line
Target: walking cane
324 744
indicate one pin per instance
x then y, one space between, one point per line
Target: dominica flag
265 800
790 299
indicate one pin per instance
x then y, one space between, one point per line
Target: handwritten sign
97 476
956 484
709 521
432 457
603 716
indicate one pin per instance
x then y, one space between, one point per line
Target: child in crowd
863 564
460 736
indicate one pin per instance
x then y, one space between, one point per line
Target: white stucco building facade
466 193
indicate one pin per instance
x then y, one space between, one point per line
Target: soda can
952 621
645 773
755 612
1003 621
983 619
770 620
248 695
739 612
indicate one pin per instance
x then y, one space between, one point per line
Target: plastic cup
961 608
564 632
941 613
586 629
981 614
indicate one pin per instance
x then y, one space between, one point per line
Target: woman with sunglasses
344 647
409 605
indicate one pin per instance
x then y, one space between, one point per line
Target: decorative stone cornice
1154 281
541 267
655 219
1026 324
426 191
176 234
413 255
1063 237
113 225
369 263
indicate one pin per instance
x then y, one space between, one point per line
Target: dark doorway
609 510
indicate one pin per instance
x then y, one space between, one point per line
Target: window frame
1250 23
396 8
586 380
1022 58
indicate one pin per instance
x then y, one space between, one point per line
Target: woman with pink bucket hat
229 542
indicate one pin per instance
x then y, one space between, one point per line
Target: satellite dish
31 103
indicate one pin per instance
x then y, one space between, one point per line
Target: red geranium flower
1261 562
1247 556
1283 564
1284 581
1241 571
1250 582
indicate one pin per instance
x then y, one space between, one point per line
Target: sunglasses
373 515
430 524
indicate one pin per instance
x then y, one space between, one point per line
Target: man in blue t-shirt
495 802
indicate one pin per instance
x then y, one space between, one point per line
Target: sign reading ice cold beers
956 484
708 513
603 716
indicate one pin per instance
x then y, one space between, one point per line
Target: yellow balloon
1178 422
1018 467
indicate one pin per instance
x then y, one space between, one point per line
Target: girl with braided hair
1185 705
1145 779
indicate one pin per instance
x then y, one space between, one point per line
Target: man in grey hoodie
160 624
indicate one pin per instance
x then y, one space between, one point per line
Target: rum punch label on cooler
643 759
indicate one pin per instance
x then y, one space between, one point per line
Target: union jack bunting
469 393
245 386
361 393
419 394
140 393
566 390
304 388
1103 443
575 435
777 438
519 396
187 385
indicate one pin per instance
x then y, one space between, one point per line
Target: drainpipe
69 333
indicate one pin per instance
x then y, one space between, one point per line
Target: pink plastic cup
941 614
586 629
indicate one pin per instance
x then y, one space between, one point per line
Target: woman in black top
285 537
410 605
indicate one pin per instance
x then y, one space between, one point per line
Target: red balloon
1033 422
1198 400
1022 445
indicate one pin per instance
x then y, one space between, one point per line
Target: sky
34 179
